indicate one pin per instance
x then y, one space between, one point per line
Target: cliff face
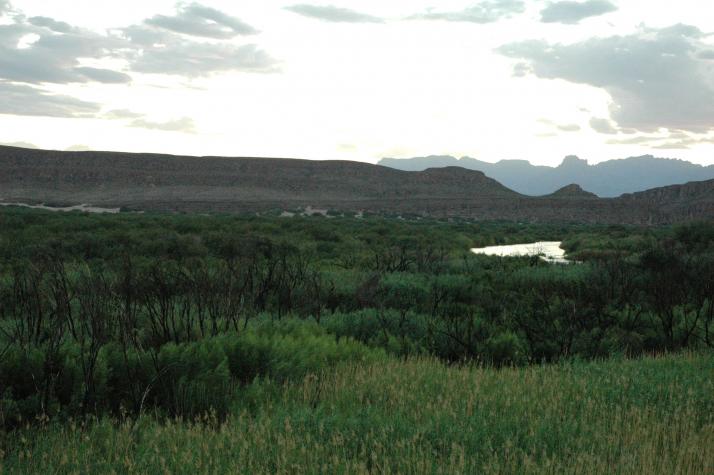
691 201
173 183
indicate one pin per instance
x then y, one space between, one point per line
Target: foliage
652 415
179 314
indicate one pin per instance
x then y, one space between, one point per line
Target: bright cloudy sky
361 80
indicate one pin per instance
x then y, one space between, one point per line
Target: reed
648 415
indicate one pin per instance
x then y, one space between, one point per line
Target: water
82 207
548 251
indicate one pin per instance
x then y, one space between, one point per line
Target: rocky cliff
205 184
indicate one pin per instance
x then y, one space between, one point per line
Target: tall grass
652 415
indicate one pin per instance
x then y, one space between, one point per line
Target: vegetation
153 343
415 416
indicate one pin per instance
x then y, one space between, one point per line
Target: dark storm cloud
197 20
333 14
571 12
653 76
489 11
19 99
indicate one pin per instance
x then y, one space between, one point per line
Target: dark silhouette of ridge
606 179
572 191
220 184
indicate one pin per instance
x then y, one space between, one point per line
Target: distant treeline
173 313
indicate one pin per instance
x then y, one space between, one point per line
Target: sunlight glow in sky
361 80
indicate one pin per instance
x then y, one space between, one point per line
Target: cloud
560 127
20 99
676 145
602 126
333 14
640 139
4 6
676 140
571 12
51 24
653 77
569 128
706 54
521 70
57 53
54 57
139 120
121 114
78 148
197 20
185 125
19 144
41 50
106 76
488 11
193 59
157 47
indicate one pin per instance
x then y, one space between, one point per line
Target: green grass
651 415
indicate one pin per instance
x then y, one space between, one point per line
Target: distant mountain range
217 184
606 179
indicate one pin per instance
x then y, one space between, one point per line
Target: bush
290 350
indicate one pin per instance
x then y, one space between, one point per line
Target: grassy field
649 415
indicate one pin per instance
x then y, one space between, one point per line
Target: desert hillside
210 184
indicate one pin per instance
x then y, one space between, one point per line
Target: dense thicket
176 313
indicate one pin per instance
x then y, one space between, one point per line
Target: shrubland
154 342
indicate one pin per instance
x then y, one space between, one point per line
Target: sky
361 80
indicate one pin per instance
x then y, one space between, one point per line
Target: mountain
219 184
606 179
572 191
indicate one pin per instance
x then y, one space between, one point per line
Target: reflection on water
548 251
83 207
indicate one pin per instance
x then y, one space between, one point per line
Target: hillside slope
211 184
